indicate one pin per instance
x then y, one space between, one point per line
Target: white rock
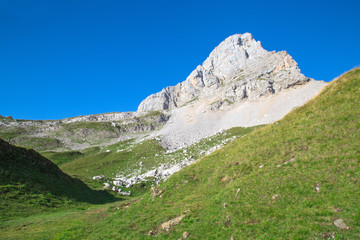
100 177
125 193
239 60
118 183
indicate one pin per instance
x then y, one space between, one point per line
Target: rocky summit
239 84
239 68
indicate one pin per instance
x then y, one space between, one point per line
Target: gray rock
125 193
100 177
238 68
118 183
173 222
340 224
185 235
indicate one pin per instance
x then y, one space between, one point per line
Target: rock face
239 68
240 84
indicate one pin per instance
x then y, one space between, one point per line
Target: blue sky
67 58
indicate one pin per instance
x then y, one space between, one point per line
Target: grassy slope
321 138
96 161
30 183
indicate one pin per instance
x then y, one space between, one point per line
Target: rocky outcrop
239 68
70 132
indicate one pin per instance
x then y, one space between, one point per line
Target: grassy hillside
125 157
288 180
31 183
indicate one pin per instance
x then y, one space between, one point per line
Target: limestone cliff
239 68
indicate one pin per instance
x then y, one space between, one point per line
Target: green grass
61 158
30 183
8 134
315 145
37 143
191 101
153 114
72 127
66 224
96 161
108 163
322 140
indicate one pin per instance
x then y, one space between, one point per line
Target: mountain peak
238 67
240 38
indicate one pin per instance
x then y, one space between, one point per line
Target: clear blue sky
62 58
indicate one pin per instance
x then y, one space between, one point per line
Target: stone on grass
340 224
227 221
100 177
275 196
125 193
118 183
237 192
167 225
185 235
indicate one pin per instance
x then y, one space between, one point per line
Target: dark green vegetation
60 158
30 183
110 163
288 180
38 143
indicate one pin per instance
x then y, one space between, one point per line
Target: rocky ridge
69 133
239 84
238 69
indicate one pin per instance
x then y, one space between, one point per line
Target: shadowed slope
29 181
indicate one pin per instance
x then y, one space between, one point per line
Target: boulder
100 177
167 225
118 183
339 223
